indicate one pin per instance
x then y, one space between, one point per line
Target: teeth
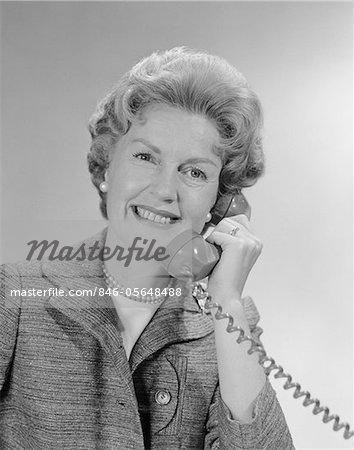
148 215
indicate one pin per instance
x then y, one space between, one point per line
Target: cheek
198 220
199 207
122 186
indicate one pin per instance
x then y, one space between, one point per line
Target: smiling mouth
145 214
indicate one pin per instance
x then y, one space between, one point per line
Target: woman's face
163 178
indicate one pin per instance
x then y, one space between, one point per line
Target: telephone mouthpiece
190 257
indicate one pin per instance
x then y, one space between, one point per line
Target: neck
148 274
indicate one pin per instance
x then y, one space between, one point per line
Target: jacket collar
176 320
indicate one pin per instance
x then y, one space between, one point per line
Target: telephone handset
190 255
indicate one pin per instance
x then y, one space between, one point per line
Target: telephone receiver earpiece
190 256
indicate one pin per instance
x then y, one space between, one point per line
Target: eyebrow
158 151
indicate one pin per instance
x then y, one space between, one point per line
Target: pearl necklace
112 283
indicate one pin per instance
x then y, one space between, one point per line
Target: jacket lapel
178 319
92 310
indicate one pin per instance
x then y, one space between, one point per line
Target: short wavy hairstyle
196 82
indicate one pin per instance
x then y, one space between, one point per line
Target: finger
241 219
227 226
223 240
220 238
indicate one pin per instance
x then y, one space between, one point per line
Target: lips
160 212
153 215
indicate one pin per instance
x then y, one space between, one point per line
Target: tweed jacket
66 383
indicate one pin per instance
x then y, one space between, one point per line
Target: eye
197 173
144 156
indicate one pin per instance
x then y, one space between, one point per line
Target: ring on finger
234 231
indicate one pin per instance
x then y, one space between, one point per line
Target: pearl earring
208 217
104 186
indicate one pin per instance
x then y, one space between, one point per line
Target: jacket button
162 397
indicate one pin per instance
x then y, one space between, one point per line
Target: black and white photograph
176 225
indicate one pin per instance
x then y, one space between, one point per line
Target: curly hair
196 82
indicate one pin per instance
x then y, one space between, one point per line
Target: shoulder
20 275
13 271
45 263
14 276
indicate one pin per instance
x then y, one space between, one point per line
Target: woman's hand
239 253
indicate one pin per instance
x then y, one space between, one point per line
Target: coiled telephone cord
268 364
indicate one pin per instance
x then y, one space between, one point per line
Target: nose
164 185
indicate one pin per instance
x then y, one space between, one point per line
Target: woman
117 354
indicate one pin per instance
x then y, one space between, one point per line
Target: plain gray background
58 59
